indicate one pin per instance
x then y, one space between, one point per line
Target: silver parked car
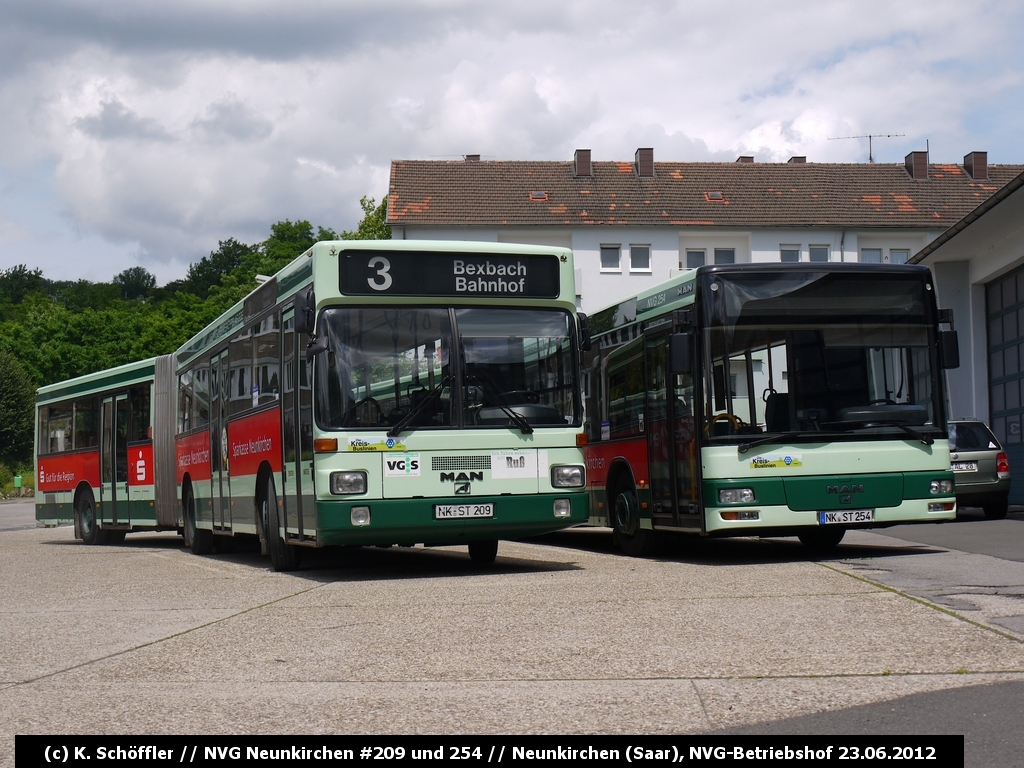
981 468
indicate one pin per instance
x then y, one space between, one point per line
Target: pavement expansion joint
928 604
159 640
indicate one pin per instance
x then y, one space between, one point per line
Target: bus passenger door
659 431
307 520
671 441
114 461
218 440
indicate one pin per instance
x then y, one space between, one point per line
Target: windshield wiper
415 411
778 437
516 418
773 438
925 439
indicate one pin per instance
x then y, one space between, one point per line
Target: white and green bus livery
390 392
770 400
105 452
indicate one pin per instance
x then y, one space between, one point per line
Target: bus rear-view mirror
680 353
949 349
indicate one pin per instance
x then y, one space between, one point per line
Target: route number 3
382 280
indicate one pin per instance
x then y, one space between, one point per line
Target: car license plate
459 511
841 516
965 466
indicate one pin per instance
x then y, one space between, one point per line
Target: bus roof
679 291
130 373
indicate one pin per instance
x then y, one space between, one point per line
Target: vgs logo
402 465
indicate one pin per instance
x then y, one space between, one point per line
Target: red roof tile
498 193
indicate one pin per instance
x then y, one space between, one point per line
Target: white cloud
149 131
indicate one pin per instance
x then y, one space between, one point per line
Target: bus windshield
388 367
807 353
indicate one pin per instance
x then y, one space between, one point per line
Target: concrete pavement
564 637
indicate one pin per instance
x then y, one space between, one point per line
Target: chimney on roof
644 162
976 165
745 159
916 164
581 161
471 158
800 159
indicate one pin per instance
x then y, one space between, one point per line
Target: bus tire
87 523
483 552
283 556
198 540
631 538
821 539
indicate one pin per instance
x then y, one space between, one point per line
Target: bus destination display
423 273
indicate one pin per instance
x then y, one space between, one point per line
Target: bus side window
185 402
86 422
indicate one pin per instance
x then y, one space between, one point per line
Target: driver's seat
776 412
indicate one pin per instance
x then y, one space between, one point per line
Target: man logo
462 477
462 490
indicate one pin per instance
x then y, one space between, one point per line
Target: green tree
210 270
19 281
135 283
17 403
374 223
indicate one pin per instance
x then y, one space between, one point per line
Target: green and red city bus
105 452
369 393
770 400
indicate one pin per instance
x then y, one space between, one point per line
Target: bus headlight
563 508
941 486
348 483
735 495
569 476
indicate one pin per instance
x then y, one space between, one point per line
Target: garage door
1005 300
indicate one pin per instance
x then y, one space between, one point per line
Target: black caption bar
370 751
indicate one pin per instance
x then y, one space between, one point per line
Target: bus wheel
821 538
483 552
634 540
283 556
87 523
198 540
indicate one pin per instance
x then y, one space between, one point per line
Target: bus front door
114 462
671 441
218 441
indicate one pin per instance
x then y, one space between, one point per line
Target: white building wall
599 287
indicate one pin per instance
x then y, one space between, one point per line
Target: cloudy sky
142 132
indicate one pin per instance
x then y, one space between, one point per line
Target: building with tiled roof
633 224
978 265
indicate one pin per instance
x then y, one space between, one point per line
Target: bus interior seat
776 412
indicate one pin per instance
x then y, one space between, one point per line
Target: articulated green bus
770 400
381 393
105 452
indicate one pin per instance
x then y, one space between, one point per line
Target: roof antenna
869 137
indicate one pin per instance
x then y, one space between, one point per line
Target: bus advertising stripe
253 440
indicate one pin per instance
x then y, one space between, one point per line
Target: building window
871 255
610 258
901 256
694 259
789 254
725 255
819 253
639 258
